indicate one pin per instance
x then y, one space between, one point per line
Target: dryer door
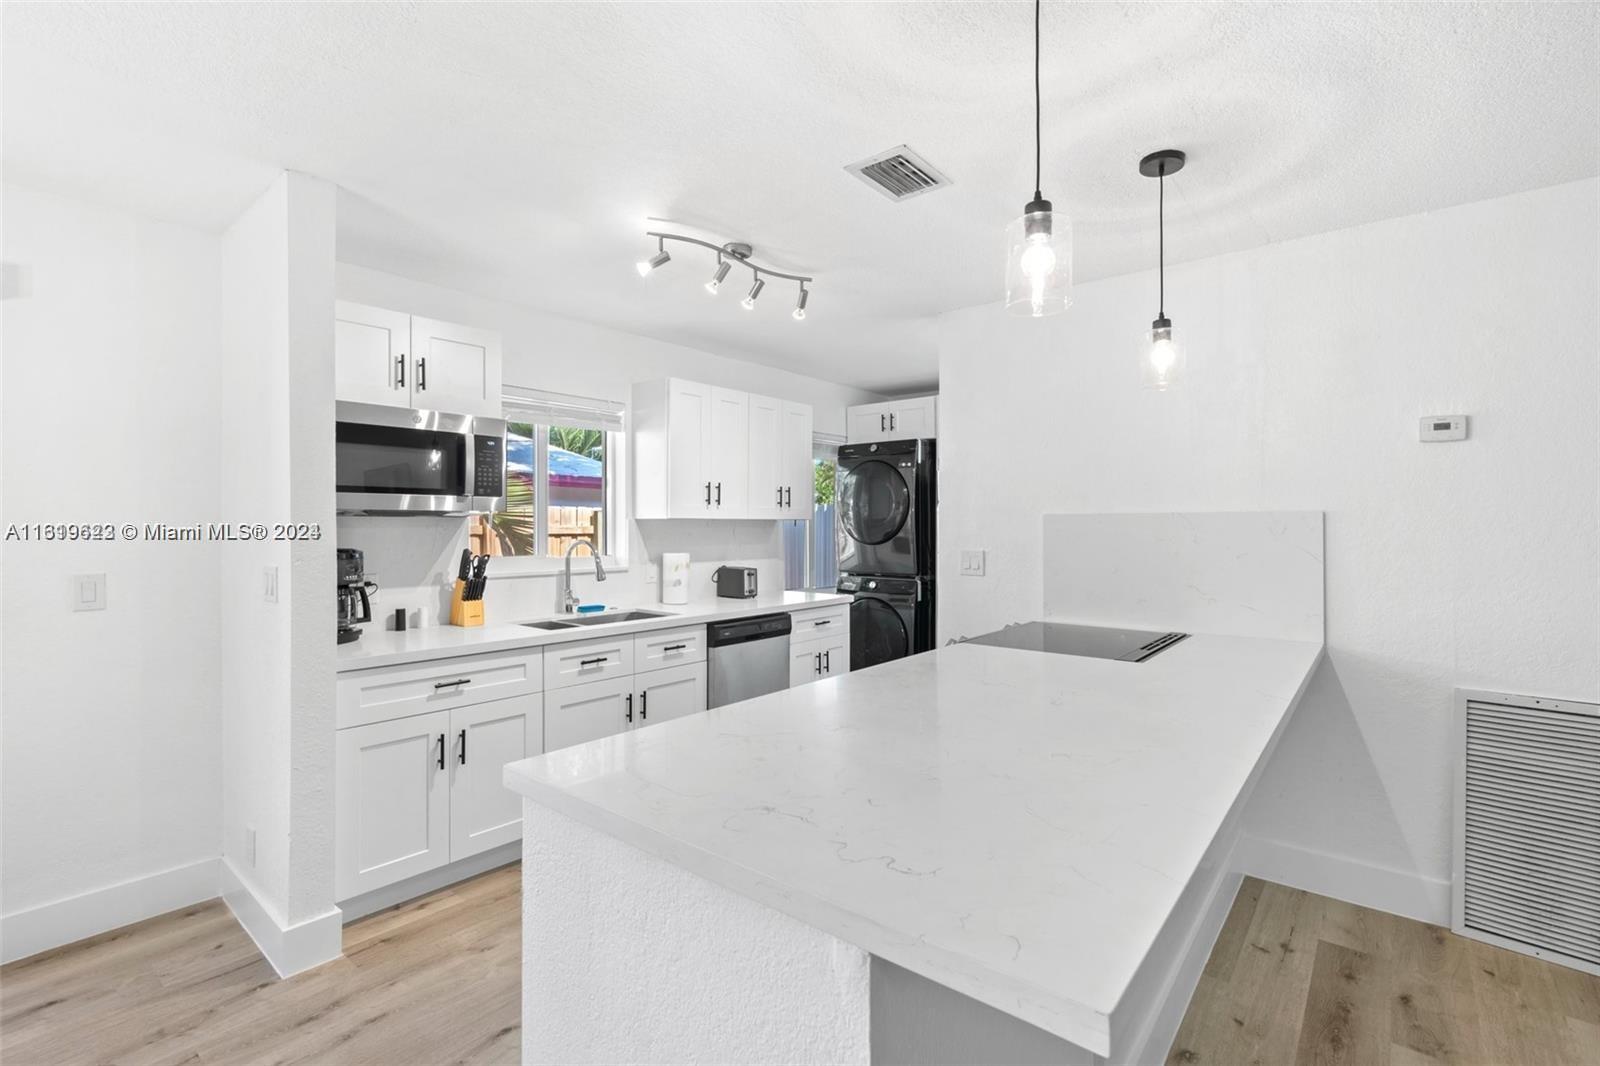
874 508
877 633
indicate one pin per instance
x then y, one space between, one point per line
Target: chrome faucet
569 602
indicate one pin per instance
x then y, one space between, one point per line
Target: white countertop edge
1063 1017
510 636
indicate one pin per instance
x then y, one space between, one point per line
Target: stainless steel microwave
391 460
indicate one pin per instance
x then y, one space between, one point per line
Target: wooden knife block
465 612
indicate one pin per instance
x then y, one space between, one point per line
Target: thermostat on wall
1442 427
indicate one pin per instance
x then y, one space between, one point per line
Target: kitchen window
564 480
810 553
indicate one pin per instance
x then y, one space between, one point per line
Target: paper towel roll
675 577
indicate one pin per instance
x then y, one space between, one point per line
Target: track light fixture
1160 354
728 255
749 302
723 266
644 266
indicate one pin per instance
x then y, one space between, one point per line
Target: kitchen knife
466 564
479 578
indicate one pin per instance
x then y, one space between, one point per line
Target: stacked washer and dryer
886 494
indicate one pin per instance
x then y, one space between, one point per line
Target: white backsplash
413 559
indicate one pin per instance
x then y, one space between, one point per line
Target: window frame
615 524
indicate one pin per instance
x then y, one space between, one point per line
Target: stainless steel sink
605 619
614 616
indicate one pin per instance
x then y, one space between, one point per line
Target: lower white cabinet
581 713
671 693
392 806
814 660
484 813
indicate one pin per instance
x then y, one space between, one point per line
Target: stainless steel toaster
736 582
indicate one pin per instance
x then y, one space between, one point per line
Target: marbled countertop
388 648
1014 825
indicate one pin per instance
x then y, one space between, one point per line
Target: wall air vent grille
899 173
1527 863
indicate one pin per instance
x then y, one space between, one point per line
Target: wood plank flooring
1294 978
1300 979
437 980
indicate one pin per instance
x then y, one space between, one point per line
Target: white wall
110 733
412 558
1310 362
276 448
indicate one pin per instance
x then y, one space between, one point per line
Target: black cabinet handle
462 758
719 494
824 622
630 706
441 751
708 494
453 684
674 647
780 495
827 661
400 369
891 423
789 497
644 705
882 426
590 662
422 374
819 662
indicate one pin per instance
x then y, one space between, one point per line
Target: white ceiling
514 149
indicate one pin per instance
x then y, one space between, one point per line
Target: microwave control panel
488 466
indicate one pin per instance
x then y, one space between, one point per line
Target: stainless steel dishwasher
747 658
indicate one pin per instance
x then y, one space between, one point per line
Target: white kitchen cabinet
672 693
767 477
586 661
705 452
582 713
455 368
484 737
819 645
892 420
662 648
399 360
372 354
392 802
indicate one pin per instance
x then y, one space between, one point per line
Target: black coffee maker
355 606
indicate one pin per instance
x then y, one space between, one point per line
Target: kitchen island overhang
1047 835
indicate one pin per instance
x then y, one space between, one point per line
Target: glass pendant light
1160 353
1039 243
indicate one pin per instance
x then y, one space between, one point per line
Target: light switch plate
1435 428
269 584
972 562
88 592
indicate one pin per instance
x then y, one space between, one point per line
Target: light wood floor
435 981
1300 979
1294 979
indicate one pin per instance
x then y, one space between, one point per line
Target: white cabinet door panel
867 423
483 738
912 418
455 368
805 663
392 802
794 461
688 449
668 694
371 362
835 654
764 456
730 460
587 712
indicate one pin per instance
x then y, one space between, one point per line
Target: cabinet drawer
669 647
588 660
392 692
820 622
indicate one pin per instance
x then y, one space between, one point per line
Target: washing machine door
877 633
874 508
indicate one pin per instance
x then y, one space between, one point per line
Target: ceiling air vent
899 173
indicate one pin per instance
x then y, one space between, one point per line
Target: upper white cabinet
400 360
707 452
893 420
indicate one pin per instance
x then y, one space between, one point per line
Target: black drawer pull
674 647
590 662
453 684
824 622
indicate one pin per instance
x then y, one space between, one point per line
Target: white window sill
544 566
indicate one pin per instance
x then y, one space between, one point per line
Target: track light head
644 266
749 302
723 266
800 304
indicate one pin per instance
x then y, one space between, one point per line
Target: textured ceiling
514 149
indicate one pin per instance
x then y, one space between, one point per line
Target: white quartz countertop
388 648
1014 825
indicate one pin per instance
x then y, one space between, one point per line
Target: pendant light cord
1161 239
1037 194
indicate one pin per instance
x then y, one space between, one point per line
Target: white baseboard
51 925
379 899
290 949
1403 892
